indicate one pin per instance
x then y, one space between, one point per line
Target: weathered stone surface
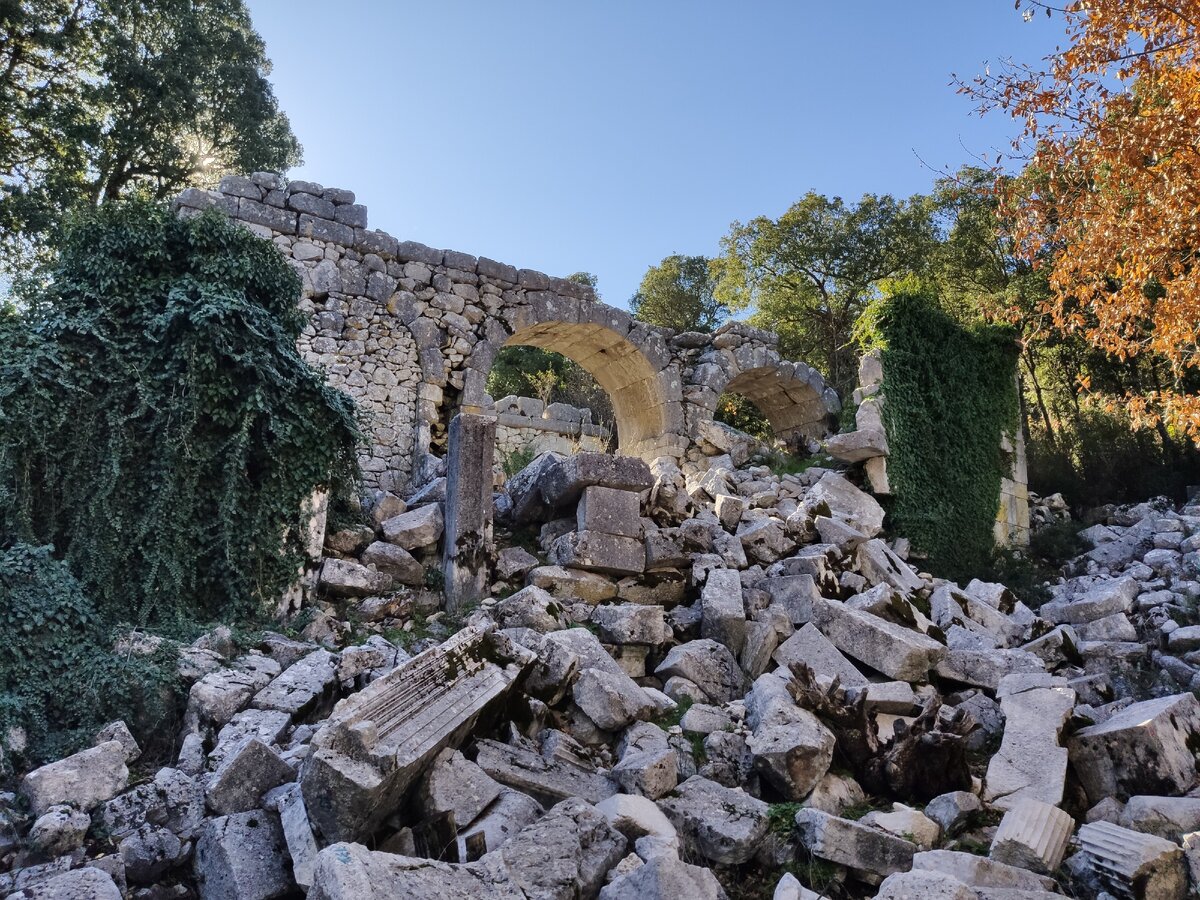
665 877
504 817
848 843
245 775
1032 835
986 668
394 561
301 686
718 823
953 811
905 822
1166 817
879 564
88 883
1134 865
352 872
298 835
347 578
515 562
846 502
723 615
418 527
709 665
595 551
980 872
468 508
530 607
811 647
150 852
377 742
548 780
83 780
889 648
1030 761
58 831
793 757
1103 599
611 700
857 446
173 800
631 623
609 511
1145 748
925 886
242 857
573 584
219 695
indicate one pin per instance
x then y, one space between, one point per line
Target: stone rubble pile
705 683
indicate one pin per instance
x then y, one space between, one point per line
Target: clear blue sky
602 136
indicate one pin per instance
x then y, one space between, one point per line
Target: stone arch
628 359
791 404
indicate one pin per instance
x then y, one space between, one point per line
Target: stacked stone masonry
410 332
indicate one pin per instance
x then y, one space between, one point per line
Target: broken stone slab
1145 748
347 578
377 742
150 852
884 646
647 771
58 831
793 757
297 834
352 872
631 623
1131 864
265 725
420 527
728 509
1030 761
765 539
709 665
905 822
637 817
118 731
981 872
88 883
454 784
762 640
665 877
595 551
879 564
549 780
173 800
219 695
1103 599
1169 818
720 824
857 446
1032 835
302 686
530 607
514 562
796 593
565 480
953 811
1055 647
83 780
394 561
723 613
242 857
811 647
374 657
609 511
950 606
986 668
920 885
851 844
244 776
504 817
846 502
611 700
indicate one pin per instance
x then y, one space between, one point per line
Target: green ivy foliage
950 392
59 679
158 426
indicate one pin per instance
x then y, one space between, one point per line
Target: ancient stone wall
411 332
529 426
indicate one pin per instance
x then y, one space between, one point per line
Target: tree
808 274
678 294
1111 131
103 98
587 279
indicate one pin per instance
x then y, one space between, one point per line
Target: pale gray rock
420 527
530 607
611 700
83 780
58 831
810 647
1130 864
455 784
889 648
150 852
242 857
394 561
723 615
846 502
720 824
980 872
245 775
953 811
88 883
1169 818
347 578
848 843
793 757
709 665
920 885
665 877
631 623
302 686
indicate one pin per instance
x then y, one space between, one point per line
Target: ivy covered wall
950 396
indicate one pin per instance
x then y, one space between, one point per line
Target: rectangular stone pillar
472 442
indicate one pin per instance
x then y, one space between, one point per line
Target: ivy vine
950 392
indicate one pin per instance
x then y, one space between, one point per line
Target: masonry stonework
410 332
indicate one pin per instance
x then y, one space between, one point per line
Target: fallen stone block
573 584
981 872
302 686
1169 818
507 815
879 564
611 700
665 877
953 811
796 593
347 578
454 784
765 539
378 741
548 780
530 607
729 509
595 551
298 835
857 446
244 776
631 623
709 665
848 843
920 885
846 502
905 822
793 757
889 648
565 480
173 800
1145 748
242 857
352 872
610 511
720 824
810 647
219 695
88 883
986 668
1104 599
723 613
396 562
1033 835
1130 864
83 780
420 527
1030 761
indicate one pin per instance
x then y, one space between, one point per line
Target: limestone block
723 614
389 559
851 844
664 877
1145 748
846 502
889 648
857 446
573 584
546 779
611 700
506 816
420 527
905 822
986 668
810 647
242 857
83 780
1130 864
244 776
1103 599
302 686
456 785
924 885
981 872
347 578
729 510
1030 761
793 757
595 551
708 664
796 593
610 511
720 824
631 623
530 607
879 564
1166 817
1033 835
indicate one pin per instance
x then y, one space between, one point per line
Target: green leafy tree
157 423
678 294
103 98
587 279
809 274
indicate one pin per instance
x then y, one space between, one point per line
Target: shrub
59 679
157 424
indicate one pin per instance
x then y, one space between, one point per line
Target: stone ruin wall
410 332
527 425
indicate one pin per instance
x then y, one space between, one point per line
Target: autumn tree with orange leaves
1110 199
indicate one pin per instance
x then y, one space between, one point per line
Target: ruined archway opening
775 406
